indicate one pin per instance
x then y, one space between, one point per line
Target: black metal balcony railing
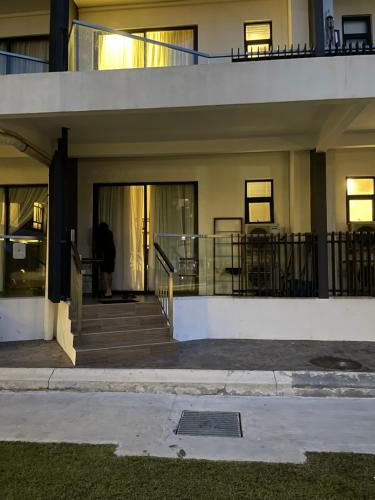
301 51
268 265
352 264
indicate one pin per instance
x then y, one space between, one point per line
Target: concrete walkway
268 355
275 429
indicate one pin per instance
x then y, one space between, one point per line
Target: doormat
117 301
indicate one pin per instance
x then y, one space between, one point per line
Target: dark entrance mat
117 301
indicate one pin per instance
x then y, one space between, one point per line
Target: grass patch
69 471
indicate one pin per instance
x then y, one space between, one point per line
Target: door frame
95 212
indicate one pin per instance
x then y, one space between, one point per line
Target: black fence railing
301 51
268 265
352 264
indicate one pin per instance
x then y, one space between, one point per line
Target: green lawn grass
67 471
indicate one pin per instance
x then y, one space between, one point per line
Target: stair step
112 355
121 323
120 310
121 338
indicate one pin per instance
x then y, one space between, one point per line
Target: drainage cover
333 363
210 423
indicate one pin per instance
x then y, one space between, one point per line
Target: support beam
59 35
317 26
318 188
337 123
62 218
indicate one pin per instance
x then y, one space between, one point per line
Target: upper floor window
259 202
258 36
34 46
360 199
356 30
121 52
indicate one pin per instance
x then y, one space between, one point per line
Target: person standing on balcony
105 251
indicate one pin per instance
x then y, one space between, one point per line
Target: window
356 30
35 46
121 52
360 198
259 202
258 37
23 222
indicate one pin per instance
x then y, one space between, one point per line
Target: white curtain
172 210
21 207
120 52
159 57
28 47
122 208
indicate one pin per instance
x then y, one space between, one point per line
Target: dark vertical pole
318 187
317 26
59 34
62 218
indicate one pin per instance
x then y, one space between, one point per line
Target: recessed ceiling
193 124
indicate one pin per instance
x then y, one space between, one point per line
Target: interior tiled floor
204 354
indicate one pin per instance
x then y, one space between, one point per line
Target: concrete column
317 26
59 35
318 192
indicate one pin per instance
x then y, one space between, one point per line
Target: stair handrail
164 294
76 287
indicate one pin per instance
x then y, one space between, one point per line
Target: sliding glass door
135 213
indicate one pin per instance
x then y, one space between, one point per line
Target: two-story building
238 136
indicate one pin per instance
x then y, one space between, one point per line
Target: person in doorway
106 251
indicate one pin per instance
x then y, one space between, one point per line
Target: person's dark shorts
108 266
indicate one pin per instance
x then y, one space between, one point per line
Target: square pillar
318 193
317 26
59 35
62 218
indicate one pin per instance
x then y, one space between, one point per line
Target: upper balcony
119 34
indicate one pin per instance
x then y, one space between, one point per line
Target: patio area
207 354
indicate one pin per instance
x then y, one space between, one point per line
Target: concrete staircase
112 333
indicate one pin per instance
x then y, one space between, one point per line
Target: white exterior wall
22 171
24 24
274 319
220 24
21 319
221 184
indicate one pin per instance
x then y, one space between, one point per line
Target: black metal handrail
162 254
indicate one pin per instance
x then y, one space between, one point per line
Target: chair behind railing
164 271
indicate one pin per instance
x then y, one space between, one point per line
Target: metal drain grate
210 423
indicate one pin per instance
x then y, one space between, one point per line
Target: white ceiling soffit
19 6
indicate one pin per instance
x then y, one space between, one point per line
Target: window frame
8 41
7 188
350 197
268 41
139 31
346 39
263 199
